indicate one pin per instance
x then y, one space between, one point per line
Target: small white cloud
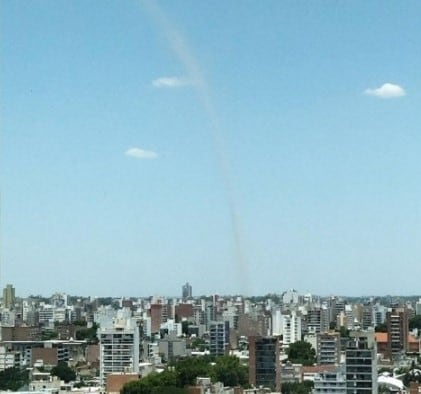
139 153
170 82
387 91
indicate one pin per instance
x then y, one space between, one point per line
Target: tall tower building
418 307
219 338
367 316
317 320
361 363
330 382
397 320
291 328
328 348
156 317
9 297
264 363
186 291
119 348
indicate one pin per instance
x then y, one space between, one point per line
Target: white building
276 322
9 359
379 314
349 314
119 347
46 314
59 314
418 307
330 382
152 352
230 314
172 328
8 318
290 297
291 328
147 326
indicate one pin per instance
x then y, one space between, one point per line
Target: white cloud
139 153
170 82
387 91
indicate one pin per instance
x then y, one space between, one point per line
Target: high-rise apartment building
379 314
9 297
291 328
290 298
349 314
317 320
210 313
119 348
328 382
361 363
156 317
186 291
328 348
219 338
264 363
397 320
367 316
418 307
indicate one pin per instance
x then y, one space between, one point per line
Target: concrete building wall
115 382
48 355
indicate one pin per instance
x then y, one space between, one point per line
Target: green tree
189 369
199 344
381 328
63 372
229 371
343 332
385 369
88 334
383 389
13 379
297 388
155 383
301 352
185 327
415 322
46 335
182 373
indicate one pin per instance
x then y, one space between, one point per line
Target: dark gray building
186 291
219 338
361 363
264 364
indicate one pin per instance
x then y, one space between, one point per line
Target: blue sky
241 146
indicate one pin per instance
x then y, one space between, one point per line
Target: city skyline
248 149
